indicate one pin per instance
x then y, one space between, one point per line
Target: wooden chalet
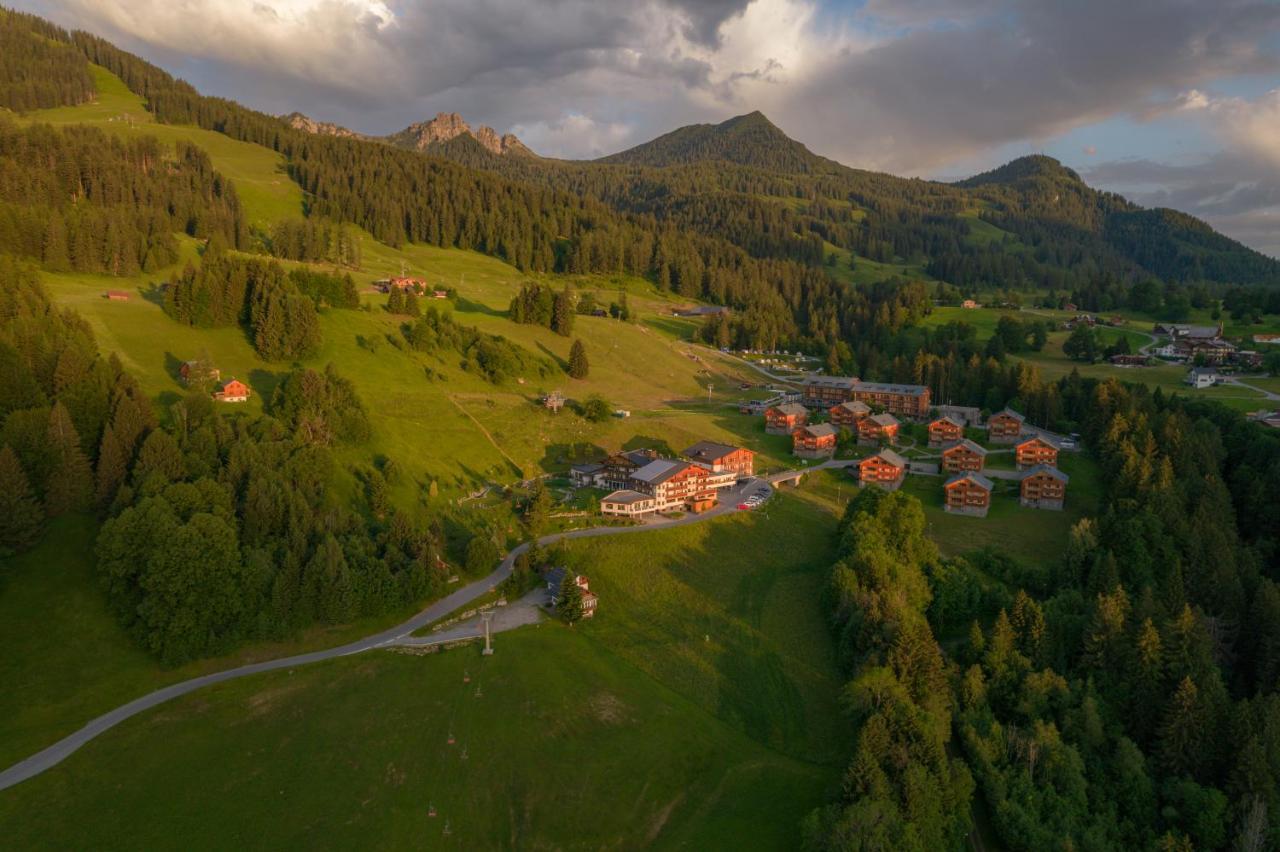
1043 487
963 456
722 458
1005 427
1036 450
814 442
886 469
967 494
945 430
848 414
232 391
785 419
616 470
877 428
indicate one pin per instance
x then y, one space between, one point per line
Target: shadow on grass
469 306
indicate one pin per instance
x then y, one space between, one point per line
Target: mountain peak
448 126
298 121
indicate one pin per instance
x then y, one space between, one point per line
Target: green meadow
699 710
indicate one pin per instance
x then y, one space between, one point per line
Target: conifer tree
113 466
569 598
562 312
21 516
70 484
579 368
395 302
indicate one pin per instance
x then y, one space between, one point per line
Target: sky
1170 102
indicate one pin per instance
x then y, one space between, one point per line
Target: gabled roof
976 478
854 405
884 420
966 444
818 430
887 456
947 418
626 495
1044 468
659 470
590 467
1009 412
790 408
709 451
1045 439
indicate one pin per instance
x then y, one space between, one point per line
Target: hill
748 140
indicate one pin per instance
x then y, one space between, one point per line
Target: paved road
399 634
1269 395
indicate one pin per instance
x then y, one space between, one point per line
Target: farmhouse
904 400
944 430
1043 487
674 485
232 391
963 456
1036 450
1200 378
967 494
969 305
198 371
826 391
876 428
814 442
847 414
1004 427
555 578
785 419
886 469
117 296
722 458
628 504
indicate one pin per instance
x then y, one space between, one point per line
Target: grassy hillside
455 429
698 711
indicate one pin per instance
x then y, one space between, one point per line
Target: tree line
39 68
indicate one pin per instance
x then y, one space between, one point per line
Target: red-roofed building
232 391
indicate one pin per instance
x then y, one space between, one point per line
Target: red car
744 505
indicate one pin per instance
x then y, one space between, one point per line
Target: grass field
66 658
699 710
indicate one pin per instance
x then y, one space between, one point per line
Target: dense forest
103 204
1125 695
38 67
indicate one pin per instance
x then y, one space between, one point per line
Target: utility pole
487 615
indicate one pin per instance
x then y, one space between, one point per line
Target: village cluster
851 404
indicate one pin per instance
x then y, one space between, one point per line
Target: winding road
401 634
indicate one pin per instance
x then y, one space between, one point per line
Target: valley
271 387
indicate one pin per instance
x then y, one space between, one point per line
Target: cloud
1237 189
575 135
